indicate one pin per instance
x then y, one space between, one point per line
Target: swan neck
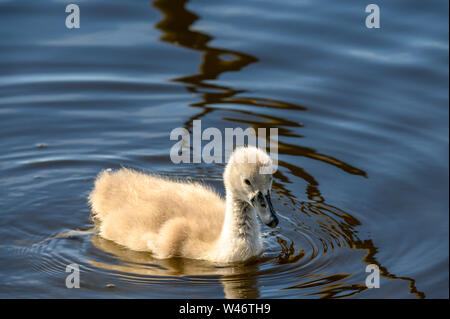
240 238
240 219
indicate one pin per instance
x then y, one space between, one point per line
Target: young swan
168 218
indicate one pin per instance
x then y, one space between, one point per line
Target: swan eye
246 181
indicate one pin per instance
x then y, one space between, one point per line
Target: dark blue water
362 116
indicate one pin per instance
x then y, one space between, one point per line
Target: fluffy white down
177 218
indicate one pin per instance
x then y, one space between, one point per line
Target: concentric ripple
300 256
311 236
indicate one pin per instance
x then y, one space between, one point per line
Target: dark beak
275 220
264 208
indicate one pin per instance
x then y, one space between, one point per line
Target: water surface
362 116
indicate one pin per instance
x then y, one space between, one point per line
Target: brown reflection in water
343 224
332 286
235 279
175 28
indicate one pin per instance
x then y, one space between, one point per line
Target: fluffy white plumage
171 218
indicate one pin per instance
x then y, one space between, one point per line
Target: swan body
185 219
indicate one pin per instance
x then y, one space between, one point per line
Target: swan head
248 176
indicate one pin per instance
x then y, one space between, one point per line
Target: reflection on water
238 280
321 247
336 227
175 27
176 30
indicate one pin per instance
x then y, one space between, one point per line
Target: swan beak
264 208
274 221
